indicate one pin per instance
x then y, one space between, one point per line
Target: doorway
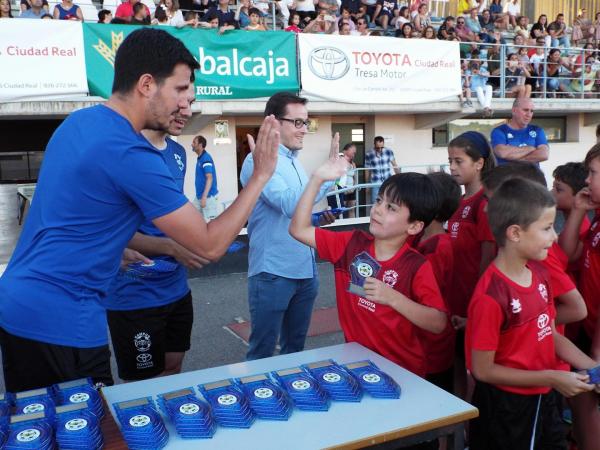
354 133
242 148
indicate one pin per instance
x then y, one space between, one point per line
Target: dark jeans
279 308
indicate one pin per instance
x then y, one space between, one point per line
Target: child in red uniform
435 244
587 199
511 343
404 296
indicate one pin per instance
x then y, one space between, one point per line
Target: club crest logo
466 211
533 134
455 226
142 342
390 277
543 291
515 304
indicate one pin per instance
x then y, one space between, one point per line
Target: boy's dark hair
291 19
449 194
119 21
102 15
254 11
476 146
414 190
592 154
149 51
516 202
572 174
160 14
277 104
137 7
514 169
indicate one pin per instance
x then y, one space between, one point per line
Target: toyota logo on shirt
543 321
328 63
144 357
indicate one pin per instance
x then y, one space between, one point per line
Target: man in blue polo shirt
517 140
94 191
206 180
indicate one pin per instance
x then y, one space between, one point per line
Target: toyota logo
328 63
144 357
543 321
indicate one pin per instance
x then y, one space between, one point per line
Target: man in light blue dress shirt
282 276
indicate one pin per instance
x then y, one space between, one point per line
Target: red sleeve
484 233
485 321
331 244
426 290
560 282
585 227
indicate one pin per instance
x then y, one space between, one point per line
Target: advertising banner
233 65
356 69
41 60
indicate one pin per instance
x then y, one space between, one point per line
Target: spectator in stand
589 79
323 24
346 18
464 8
406 32
596 27
369 8
104 16
35 12
294 23
242 13
446 31
26 4
381 163
225 15
486 22
530 79
514 78
386 13
429 33
362 27
67 10
465 79
536 60
331 6
463 32
583 28
513 9
283 9
479 85
355 7
174 14
540 30
422 19
589 50
125 10
493 65
403 17
345 29
160 18
554 63
473 23
481 5
5 10
140 15
306 9
255 24
561 37
522 28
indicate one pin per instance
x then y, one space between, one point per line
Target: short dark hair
378 139
254 11
149 51
592 154
137 7
414 190
572 174
476 146
516 202
449 194
102 15
277 104
201 140
348 145
513 169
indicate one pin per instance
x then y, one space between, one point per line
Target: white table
423 410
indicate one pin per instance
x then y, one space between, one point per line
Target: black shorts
444 380
141 337
29 364
459 344
510 421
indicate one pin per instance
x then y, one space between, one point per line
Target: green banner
236 64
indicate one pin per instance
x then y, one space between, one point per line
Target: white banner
359 69
41 59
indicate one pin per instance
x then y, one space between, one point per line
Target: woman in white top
422 19
346 199
513 9
403 17
174 14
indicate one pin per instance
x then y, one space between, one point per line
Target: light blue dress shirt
272 249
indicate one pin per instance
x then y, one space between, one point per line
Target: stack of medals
335 380
80 391
267 400
156 269
373 380
190 415
229 405
34 401
30 431
77 427
594 374
304 390
5 405
141 425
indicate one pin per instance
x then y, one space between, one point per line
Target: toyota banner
356 69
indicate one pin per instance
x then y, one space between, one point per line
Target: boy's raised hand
570 384
583 200
377 291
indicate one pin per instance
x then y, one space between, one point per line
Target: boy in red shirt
404 296
511 342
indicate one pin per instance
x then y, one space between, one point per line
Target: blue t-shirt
94 191
205 166
531 135
127 293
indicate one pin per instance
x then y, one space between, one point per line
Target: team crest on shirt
543 323
509 135
543 291
533 134
454 229
515 304
142 342
390 277
179 162
466 211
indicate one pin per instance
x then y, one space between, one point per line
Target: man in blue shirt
206 180
380 161
282 276
35 12
94 191
517 140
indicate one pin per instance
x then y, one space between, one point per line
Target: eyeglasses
298 123
460 23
